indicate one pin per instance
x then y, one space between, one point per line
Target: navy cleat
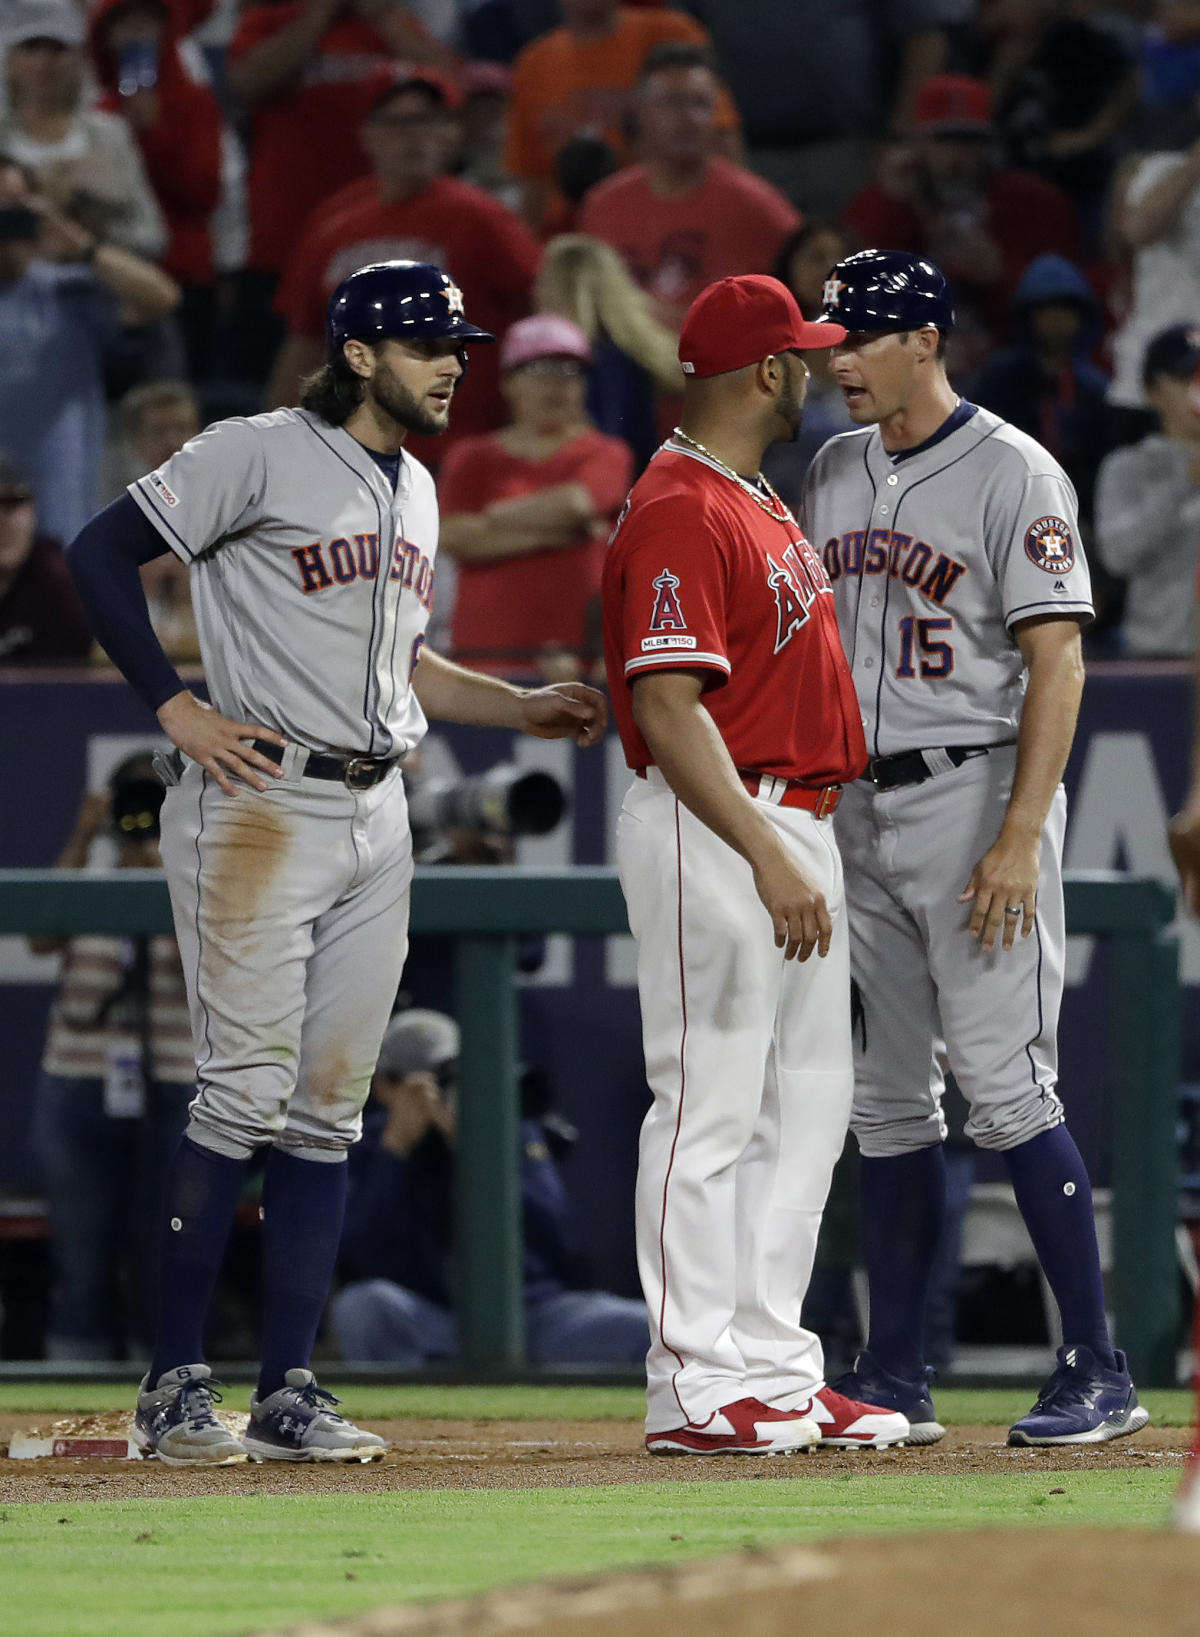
177 1423
299 1423
1082 1403
870 1383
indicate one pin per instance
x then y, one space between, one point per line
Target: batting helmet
887 290
410 300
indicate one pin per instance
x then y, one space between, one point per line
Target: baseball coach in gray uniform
952 543
310 536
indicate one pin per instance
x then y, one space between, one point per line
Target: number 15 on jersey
920 651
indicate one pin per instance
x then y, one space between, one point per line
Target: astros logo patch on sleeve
1049 544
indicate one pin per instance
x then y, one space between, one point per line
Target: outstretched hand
568 710
219 745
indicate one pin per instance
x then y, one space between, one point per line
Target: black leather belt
910 766
355 772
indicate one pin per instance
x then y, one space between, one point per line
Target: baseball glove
1184 837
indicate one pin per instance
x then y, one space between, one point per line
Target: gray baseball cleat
297 1424
177 1423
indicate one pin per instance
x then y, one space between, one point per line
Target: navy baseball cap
1173 351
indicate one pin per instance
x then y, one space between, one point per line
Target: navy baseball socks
903 1207
1090 1396
304 1204
175 1418
202 1195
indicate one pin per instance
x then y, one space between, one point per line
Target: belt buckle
828 801
360 773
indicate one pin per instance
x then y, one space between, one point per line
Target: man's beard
790 409
395 399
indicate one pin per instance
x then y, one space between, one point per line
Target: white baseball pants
291 912
748 1058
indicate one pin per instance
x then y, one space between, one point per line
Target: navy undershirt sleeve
104 559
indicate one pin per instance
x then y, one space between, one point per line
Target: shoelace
196 1402
317 1398
1066 1386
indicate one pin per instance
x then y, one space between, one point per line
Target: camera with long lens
505 802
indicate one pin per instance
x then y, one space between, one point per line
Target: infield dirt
440 1454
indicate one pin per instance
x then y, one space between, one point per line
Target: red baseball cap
953 104
384 83
739 321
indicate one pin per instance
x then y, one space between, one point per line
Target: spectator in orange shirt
408 209
526 512
164 96
304 70
685 217
576 80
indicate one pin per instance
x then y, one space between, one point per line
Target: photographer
111 1100
398 1243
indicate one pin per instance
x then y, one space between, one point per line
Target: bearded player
310 537
952 543
738 718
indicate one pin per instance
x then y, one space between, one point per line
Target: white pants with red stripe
748 1058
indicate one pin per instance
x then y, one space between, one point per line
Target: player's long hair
333 392
585 280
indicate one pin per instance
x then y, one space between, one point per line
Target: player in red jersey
737 713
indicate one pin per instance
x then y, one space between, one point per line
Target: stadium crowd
184 182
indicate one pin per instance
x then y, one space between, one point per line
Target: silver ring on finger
1014 909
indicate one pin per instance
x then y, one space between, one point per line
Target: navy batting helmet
887 290
410 300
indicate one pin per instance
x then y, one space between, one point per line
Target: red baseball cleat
747 1427
844 1423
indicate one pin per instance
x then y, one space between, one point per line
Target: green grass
206 1568
956 1406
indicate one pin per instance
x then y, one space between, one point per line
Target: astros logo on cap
833 288
454 298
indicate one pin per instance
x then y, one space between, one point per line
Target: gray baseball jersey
933 559
312 582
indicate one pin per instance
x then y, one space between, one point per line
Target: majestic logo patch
454 299
1048 543
160 488
667 615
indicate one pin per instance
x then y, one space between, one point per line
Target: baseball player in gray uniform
952 543
311 536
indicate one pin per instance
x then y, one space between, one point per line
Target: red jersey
506 610
486 249
700 578
304 140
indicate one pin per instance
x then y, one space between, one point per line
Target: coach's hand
568 710
797 908
1005 878
219 745
1184 836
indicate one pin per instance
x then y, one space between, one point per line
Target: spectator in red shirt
685 217
409 210
575 81
163 94
949 198
305 71
526 512
42 621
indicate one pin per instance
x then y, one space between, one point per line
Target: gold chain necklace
778 511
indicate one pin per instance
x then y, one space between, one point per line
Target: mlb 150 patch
1049 544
